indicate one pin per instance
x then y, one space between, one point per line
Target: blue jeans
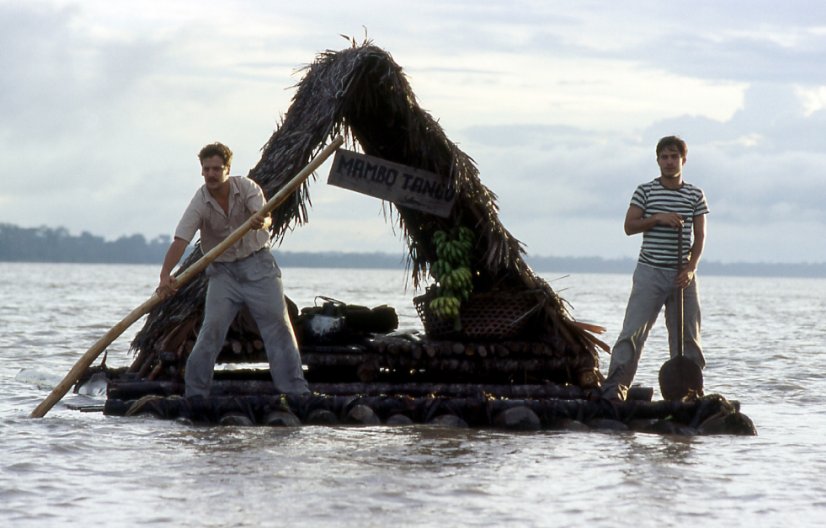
256 282
652 288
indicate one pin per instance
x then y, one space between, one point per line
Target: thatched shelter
361 93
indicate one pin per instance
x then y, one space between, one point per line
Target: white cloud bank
105 104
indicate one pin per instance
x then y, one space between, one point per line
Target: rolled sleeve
253 196
190 221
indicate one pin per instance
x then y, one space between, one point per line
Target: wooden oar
86 360
680 376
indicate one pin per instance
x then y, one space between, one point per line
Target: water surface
763 339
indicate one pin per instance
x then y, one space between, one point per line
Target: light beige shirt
205 214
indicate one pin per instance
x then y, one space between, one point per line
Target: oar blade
679 377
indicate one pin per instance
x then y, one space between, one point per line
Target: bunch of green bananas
452 271
446 306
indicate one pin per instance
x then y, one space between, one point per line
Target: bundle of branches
361 93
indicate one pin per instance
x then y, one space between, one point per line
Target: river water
764 342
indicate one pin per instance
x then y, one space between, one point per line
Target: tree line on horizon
45 244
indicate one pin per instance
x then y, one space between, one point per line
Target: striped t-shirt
659 244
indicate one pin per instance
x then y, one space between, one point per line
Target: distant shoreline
56 245
555 264
376 260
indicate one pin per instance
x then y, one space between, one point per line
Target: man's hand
636 222
260 222
167 287
669 220
684 278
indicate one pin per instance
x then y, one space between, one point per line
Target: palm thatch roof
361 93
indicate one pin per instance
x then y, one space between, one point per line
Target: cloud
94 118
105 106
564 190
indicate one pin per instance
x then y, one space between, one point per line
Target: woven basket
487 316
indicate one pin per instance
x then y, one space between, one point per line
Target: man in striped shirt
662 210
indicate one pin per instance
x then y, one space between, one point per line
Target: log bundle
400 361
382 358
704 416
132 390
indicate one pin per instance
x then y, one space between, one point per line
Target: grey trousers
256 282
652 288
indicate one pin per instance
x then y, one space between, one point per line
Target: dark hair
669 142
216 149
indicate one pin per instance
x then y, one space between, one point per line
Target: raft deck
397 380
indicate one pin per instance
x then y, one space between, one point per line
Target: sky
104 105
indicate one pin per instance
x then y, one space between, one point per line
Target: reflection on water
658 450
75 467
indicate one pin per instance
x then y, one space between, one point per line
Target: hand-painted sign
400 184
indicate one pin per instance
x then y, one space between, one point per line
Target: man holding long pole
85 361
244 274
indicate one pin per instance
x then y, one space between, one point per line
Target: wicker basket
487 316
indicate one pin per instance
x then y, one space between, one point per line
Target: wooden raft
359 376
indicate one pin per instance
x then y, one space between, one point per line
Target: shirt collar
234 190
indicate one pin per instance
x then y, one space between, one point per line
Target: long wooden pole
86 360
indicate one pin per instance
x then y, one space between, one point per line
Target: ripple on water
141 471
